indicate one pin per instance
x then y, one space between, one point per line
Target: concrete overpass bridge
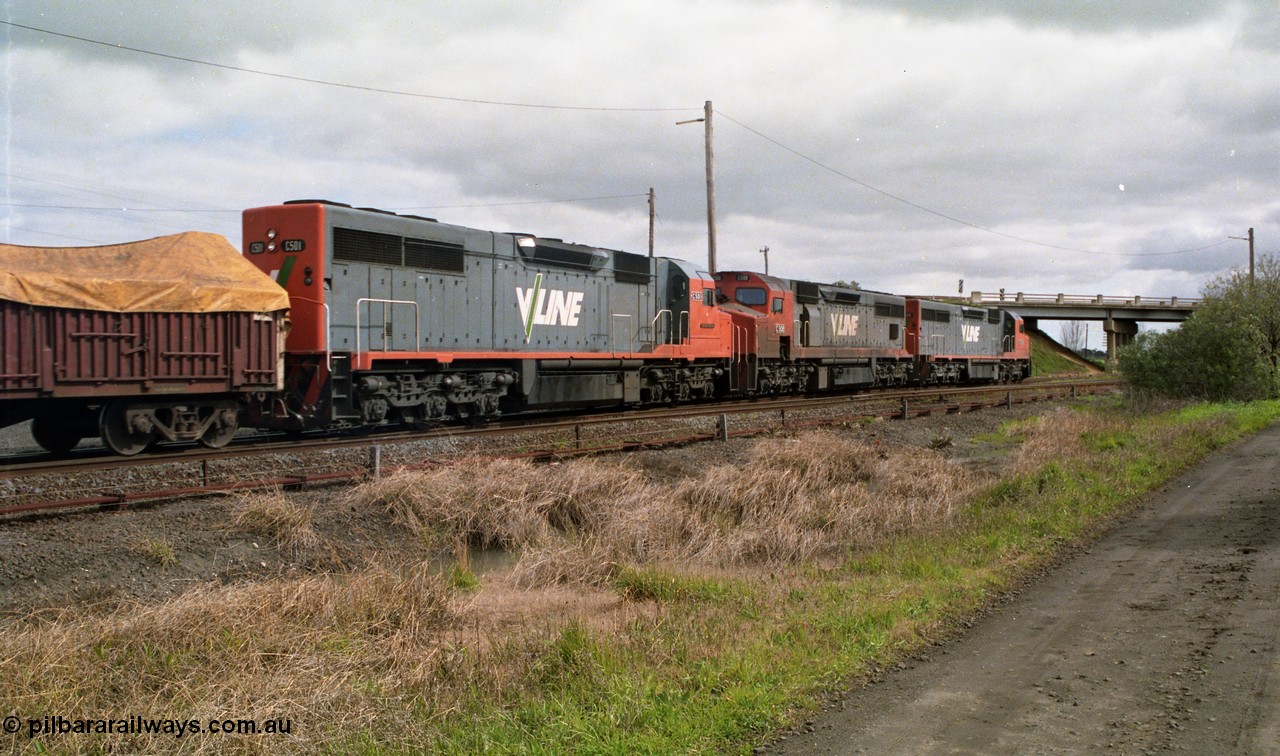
1119 315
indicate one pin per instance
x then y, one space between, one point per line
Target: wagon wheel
116 433
54 435
221 430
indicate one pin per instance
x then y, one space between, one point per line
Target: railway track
36 482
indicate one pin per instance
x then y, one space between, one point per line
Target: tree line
1228 350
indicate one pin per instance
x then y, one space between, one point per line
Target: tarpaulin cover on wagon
188 272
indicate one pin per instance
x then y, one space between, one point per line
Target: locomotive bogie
417 397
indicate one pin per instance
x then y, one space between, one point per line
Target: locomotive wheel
117 434
221 431
54 435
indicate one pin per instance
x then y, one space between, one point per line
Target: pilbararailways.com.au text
137 725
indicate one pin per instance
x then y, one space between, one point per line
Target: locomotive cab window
751 296
777 304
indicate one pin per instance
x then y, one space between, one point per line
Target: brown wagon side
161 339
133 377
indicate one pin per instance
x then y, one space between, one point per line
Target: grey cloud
1081 14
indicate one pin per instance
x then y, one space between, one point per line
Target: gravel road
1160 637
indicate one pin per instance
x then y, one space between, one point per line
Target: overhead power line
545 106
339 84
945 216
524 202
118 209
125 209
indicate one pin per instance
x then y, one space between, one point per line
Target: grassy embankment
1048 357
726 603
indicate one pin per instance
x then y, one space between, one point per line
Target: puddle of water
479 561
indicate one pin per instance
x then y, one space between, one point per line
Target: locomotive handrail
372 300
684 321
328 338
654 324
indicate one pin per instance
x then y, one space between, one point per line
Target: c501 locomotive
402 318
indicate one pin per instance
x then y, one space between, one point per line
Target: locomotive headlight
271 233
271 246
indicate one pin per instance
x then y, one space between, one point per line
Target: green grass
726 663
681 655
1047 360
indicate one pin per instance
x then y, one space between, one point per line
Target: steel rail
898 404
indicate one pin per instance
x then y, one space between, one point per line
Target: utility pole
1249 239
651 214
765 252
711 198
711 187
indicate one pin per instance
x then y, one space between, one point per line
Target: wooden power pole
711 187
711 195
651 214
1249 239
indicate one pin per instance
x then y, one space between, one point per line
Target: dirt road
1160 637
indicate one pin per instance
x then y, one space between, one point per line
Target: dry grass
502 503
323 651
273 515
1055 435
392 652
793 499
798 499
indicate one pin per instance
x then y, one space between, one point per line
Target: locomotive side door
810 325
678 304
375 313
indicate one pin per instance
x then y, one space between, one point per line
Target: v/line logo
971 333
844 324
553 307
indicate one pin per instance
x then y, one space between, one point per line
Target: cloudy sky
1080 147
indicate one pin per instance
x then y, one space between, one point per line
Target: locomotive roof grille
629 268
556 252
841 297
889 310
807 292
419 253
350 245
353 245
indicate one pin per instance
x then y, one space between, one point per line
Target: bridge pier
1120 333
